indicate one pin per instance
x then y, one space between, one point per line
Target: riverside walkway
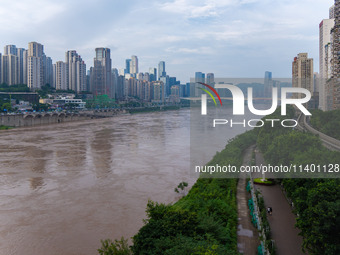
282 221
247 235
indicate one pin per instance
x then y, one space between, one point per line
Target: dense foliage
14 88
317 204
204 221
316 201
45 90
4 127
327 122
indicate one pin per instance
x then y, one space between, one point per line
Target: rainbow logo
209 93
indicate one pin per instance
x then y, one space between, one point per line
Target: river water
65 187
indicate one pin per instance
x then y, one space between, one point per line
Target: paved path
282 221
247 235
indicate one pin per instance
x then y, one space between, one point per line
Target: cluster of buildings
129 82
32 67
325 85
329 53
26 66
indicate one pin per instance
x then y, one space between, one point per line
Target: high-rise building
325 28
268 84
114 80
35 69
68 61
140 76
166 84
75 71
153 74
35 49
134 66
9 72
161 70
121 71
22 65
14 65
102 73
199 77
10 49
331 12
302 73
333 86
127 66
48 70
210 79
146 77
9 65
158 92
60 75
120 87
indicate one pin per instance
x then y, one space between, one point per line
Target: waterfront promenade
282 221
247 234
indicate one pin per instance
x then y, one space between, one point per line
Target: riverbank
154 109
48 118
202 222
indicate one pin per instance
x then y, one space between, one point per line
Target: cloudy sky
231 38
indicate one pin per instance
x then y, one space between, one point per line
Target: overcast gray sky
231 38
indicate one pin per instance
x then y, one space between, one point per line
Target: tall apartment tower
75 71
210 79
60 75
9 72
334 85
22 65
48 70
331 12
268 84
161 69
14 65
325 28
302 73
127 66
153 74
10 50
134 66
35 68
101 83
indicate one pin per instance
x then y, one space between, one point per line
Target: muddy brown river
65 187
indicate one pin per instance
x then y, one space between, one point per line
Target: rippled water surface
64 187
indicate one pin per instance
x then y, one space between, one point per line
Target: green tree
116 247
6 107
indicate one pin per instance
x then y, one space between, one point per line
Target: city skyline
224 37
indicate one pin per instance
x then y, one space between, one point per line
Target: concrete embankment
35 119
